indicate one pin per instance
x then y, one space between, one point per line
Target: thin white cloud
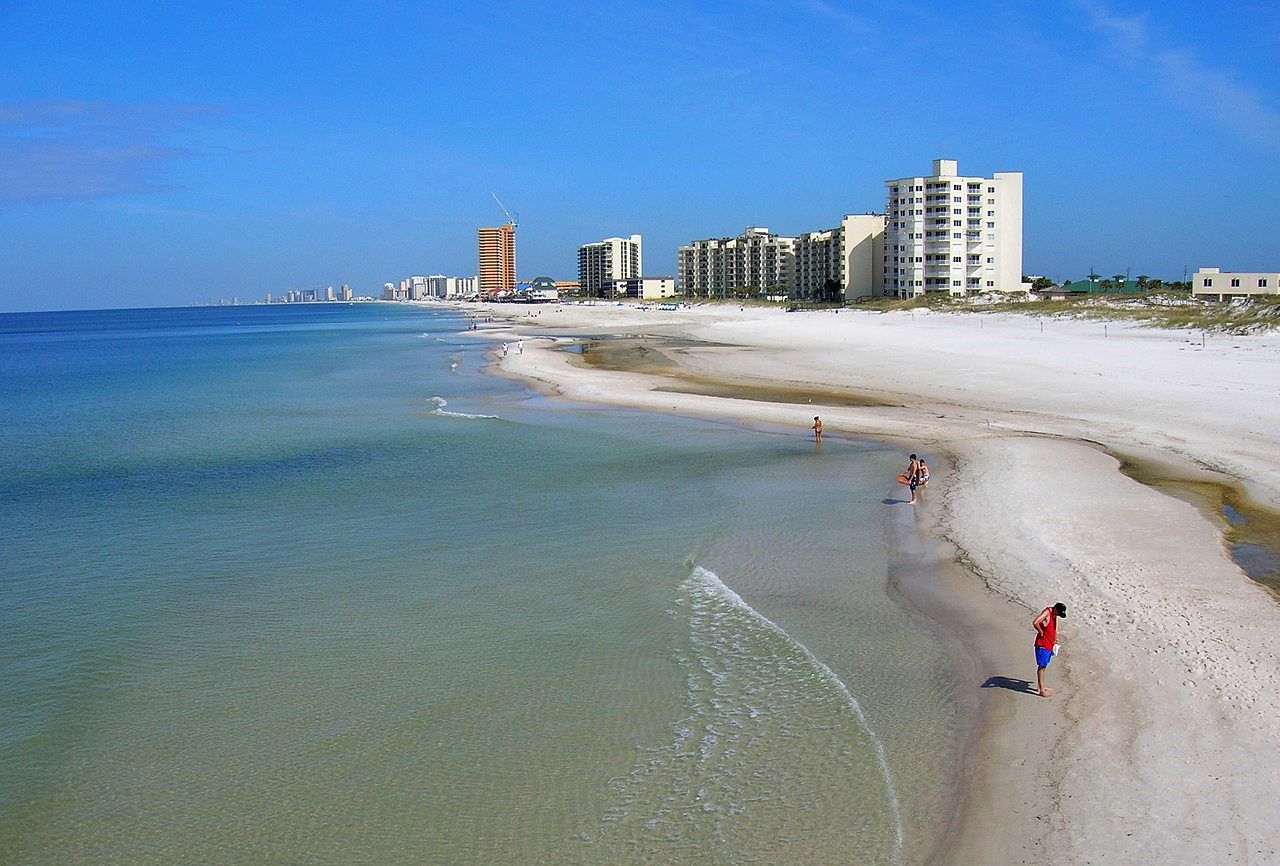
72 150
1211 93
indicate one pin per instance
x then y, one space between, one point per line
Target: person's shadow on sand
895 501
1013 685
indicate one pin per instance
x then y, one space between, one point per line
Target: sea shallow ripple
306 585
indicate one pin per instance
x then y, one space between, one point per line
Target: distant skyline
160 155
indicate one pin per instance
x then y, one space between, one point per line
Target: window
955 259
991 282
1235 283
956 186
956 198
991 213
990 261
1208 281
956 223
955 282
956 235
991 225
1262 283
956 211
991 201
991 189
919 259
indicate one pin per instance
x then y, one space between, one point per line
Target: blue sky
167 153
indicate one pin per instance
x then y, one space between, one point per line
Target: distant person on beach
923 472
817 429
1046 626
520 348
913 477
504 350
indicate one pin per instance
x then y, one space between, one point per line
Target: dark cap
1061 609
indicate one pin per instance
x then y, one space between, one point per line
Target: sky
161 154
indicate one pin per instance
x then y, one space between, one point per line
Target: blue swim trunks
1043 657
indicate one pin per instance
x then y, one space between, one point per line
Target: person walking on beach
520 348
923 472
913 477
504 350
817 429
1046 626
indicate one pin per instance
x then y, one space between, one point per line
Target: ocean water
309 585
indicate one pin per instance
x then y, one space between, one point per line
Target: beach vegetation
1161 309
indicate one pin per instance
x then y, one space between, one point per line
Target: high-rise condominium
601 263
948 233
754 261
497 247
844 263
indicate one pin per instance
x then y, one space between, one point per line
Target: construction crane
513 221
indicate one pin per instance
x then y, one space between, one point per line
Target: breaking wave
772 737
440 410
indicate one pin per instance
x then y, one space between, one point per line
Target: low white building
440 286
1213 282
644 288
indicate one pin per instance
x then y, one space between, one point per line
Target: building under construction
497 246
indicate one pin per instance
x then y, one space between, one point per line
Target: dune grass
1164 310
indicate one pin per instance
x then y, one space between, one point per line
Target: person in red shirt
1046 626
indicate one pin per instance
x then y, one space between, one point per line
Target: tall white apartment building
848 260
601 263
754 261
951 233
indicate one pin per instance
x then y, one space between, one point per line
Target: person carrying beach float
913 477
1046 626
817 429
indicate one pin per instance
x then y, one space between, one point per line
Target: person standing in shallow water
1046 626
913 477
817 429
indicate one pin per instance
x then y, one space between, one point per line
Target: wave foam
440 410
707 584
772 737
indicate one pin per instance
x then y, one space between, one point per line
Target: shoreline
1190 746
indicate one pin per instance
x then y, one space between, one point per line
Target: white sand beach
1162 741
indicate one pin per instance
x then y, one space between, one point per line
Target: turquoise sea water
307 585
